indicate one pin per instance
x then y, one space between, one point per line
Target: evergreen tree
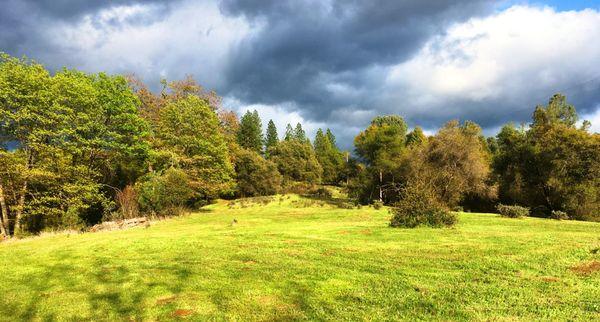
331 138
329 156
250 133
289 132
381 145
271 139
415 137
299 133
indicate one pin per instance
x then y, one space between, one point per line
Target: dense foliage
79 148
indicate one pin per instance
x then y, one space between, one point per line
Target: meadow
292 258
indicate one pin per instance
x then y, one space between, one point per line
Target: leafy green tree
381 145
553 166
188 133
454 163
329 156
271 139
250 133
296 161
255 176
70 129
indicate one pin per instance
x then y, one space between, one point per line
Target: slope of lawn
301 259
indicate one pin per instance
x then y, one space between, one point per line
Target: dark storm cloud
22 22
335 63
306 50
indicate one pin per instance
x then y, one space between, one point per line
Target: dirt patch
182 313
586 268
329 252
121 224
550 279
166 300
366 232
344 232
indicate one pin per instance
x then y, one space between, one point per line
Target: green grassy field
294 259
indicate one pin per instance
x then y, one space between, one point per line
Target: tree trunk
21 204
380 186
20 207
4 227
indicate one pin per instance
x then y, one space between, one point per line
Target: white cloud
594 118
194 38
280 114
512 56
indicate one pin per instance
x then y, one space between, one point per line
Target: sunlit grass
293 259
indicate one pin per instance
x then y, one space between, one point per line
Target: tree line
79 148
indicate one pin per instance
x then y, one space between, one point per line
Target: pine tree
415 137
250 133
272 139
331 138
289 133
329 156
299 133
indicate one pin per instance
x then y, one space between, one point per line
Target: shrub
559 215
127 201
166 193
298 187
377 204
512 211
322 192
419 207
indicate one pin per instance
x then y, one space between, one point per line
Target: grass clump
512 211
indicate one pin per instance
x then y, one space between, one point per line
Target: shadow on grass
109 288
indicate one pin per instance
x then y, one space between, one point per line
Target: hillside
290 258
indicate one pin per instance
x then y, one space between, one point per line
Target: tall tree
331 138
289 132
250 134
329 156
381 146
272 138
453 164
296 161
551 166
299 133
189 133
70 130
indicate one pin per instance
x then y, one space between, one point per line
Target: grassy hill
294 258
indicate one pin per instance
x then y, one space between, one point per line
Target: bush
377 205
127 203
255 176
164 194
458 209
512 211
322 192
297 187
419 207
559 215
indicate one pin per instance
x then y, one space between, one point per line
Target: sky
333 64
